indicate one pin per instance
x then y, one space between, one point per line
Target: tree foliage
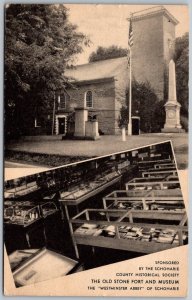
182 71
145 104
103 53
40 43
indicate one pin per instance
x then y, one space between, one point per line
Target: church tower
153 46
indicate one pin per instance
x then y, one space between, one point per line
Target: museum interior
93 213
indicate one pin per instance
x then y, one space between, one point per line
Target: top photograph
86 80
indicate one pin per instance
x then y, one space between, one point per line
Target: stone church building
101 86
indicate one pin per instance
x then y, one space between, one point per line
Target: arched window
89 99
62 101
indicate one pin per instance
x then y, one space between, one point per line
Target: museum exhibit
93 213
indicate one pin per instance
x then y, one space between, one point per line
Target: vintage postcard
96 150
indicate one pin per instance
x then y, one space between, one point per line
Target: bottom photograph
93 213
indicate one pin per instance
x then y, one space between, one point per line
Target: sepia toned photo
96 149
96 212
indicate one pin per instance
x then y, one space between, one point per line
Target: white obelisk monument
172 107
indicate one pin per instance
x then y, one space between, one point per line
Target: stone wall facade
103 103
151 51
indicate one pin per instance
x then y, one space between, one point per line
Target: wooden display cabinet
144 165
23 226
165 165
160 172
122 196
40 265
148 183
138 231
87 190
21 190
149 200
26 223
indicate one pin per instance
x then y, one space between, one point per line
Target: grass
44 160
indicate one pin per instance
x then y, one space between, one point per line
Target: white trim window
62 101
89 99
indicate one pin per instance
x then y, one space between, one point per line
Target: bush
184 123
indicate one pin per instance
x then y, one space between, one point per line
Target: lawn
54 152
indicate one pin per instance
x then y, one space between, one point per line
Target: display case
149 183
123 199
160 172
48 208
134 230
165 165
147 164
84 190
171 200
40 265
151 155
28 224
21 213
88 189
21 190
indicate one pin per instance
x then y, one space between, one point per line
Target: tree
182 72
40 43
103 53
145 104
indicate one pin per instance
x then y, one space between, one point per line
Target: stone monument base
172 130
91 130
81 138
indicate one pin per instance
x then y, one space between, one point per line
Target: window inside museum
89 99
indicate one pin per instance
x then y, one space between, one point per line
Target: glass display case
48 208
21 213
29 223
31 267
170 200
134 230
149 183
165 165
83 188
152 162
160 172
20 187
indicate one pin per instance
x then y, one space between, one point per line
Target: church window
89 99
62 101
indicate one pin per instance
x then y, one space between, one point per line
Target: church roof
103 69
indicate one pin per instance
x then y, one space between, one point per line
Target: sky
107 25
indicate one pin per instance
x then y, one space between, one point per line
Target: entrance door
135 125
62 125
